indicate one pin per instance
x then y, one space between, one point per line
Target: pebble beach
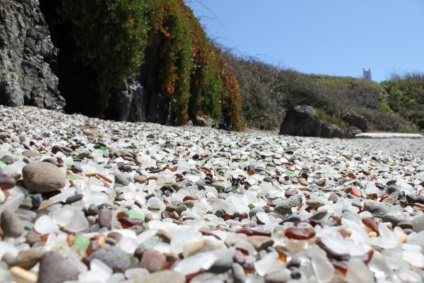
89 200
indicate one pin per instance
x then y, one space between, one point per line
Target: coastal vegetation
268 90
117 38
113 37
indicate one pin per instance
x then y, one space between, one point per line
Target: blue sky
333 37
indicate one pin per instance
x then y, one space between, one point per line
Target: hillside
268 90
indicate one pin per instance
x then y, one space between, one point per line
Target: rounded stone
315 203
54 268
6 182
30 153
140 178
122 179
114 257
11 224
239 275
105 217
27 259
153 261
43 177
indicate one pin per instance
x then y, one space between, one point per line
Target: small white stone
187 241
379 266
414 257
45 225
156 204
194 263
78 222
63 215
358 272
324 270
409 276
268 264
136 274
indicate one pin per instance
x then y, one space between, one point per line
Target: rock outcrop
302 120
357 121
135 103
27 56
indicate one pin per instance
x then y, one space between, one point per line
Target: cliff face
27 57
146 60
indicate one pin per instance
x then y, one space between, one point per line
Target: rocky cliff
146 60
27 57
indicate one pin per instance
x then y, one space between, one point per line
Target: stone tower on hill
366 74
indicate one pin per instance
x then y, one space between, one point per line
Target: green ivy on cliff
112 36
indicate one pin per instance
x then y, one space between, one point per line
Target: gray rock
302 120
394 189
92 210
357 121
74 198
105 217
26 51
84 154
54 268
285 206
180 209
393 217
43 177
333 197
114 257
329 130
9 159
418 223
165 276
11 224
377 209
30 153
33 237
122 179
188 203
382 210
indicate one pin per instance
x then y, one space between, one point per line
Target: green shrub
331 118
406 96
110 37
